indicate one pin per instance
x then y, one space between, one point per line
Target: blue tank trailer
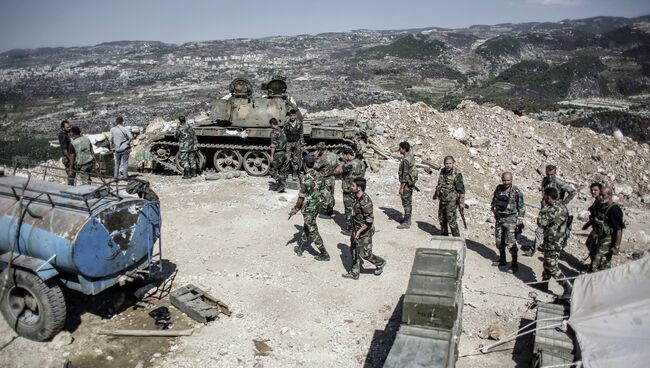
53 236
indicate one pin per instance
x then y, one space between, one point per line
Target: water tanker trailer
52 236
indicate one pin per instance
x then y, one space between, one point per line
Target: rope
515 335
524 283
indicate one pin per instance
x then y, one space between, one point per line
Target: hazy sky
38 23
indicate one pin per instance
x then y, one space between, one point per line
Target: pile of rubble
486 141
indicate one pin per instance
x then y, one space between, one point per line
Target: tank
85 238
237 133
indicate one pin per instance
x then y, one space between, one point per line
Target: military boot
406 223
544 285
380 267
529 252
568 289
502 258
193 173
323 256
514 266
298 249
186 173
351 275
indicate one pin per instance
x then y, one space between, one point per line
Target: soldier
84 159
188 146
295 141
566 194
508 209
350 169
451 193
67 150
364 228
279 162
406 183
325 166
595 189
608 228
553 218
309 203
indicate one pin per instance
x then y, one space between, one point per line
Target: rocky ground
232 238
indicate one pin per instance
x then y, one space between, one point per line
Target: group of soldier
507 205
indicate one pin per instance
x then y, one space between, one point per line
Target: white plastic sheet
610 314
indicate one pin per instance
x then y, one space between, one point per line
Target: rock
262 348
471 202
284 330
623 189
473 152
495 332
480 142
619 135
630 153
583 216
110 358
459 134
62 339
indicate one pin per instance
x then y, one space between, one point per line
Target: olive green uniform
295 144
405 169
350 171
565 195
310 206
508 206
83 159
608 219
325 168
187 141
280 165
362 248
448 191
553 221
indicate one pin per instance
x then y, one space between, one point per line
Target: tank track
243 147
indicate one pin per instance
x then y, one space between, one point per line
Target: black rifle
461 209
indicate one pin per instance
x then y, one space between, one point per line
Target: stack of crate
431 313
552 347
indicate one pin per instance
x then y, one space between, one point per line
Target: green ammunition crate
421 347
552 346
431 301
551 357
436 262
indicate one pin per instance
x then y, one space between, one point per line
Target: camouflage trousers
407 200
447 215
504 233
327 194
187 160
310 230
279 167
348 201
84 171
294 156
70 173
601 253
362 249
551 268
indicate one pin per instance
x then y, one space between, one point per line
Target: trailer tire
34 308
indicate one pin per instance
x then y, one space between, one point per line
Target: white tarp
610 314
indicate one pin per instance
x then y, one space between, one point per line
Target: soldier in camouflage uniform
406 183
364 228
294 131
451 193
553 219
350 169
188 147
608 228
508 209
84 157
325 166
566 194
309 203
279 162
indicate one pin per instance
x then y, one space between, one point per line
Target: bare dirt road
232 239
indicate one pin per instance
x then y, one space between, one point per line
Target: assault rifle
461 210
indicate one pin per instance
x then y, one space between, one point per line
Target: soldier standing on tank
279 162
84 157
364 229
451 193
350 169
309 204
553 219
325 166
508 209
406 183
294 131
608 228
566 194
188 147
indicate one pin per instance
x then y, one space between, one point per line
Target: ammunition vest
293 131
600 225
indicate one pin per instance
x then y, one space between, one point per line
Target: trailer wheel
34 308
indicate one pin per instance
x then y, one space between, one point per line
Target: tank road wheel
34 308
161 152
227 159
257 163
